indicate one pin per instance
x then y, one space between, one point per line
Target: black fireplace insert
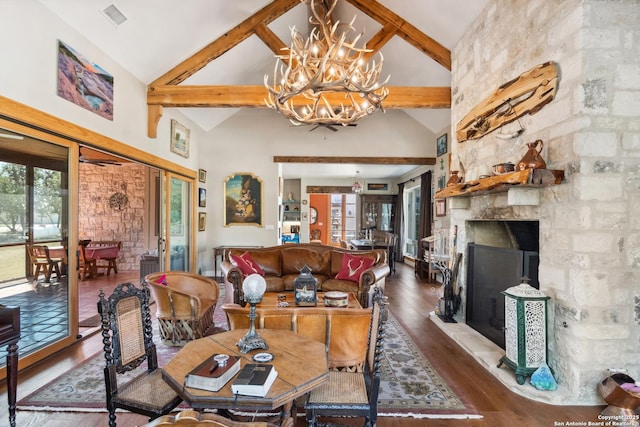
491 270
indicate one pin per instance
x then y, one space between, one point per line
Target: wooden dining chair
315 236
128 343
108 263
42 262
354 394
87 267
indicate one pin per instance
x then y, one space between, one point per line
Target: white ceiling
159 34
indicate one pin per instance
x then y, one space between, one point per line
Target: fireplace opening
500 253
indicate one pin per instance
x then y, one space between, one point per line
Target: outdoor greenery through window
22 221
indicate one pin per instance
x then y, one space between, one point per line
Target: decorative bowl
336 299
503 168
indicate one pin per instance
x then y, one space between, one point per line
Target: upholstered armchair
184 305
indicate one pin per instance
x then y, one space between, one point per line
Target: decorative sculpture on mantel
526 94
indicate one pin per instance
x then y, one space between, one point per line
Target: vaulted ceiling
227 47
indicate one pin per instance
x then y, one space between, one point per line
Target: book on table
211 375
254 379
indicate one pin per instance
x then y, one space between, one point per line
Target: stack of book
212 376
255 379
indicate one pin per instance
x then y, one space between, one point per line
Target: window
412 214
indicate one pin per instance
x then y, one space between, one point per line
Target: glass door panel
179 216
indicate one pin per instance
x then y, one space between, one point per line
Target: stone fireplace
589 229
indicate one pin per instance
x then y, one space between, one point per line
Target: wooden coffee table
301 364
270 300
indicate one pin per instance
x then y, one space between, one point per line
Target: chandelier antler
326 63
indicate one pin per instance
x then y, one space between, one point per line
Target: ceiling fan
89 156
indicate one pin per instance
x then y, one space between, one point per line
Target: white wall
29 52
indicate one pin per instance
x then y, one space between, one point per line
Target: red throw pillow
246 264
255 268
353 266
241 264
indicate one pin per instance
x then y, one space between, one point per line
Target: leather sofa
282 264
184 305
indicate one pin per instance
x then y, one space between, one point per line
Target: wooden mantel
498 183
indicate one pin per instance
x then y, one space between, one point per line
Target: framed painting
242 200
84 83
377 186
441 207
202 197
441 145
202 221
202 175
179 139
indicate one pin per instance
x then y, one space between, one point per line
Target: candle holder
253 288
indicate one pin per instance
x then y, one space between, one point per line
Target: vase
454 179
532 159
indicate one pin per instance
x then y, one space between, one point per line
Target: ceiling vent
114 15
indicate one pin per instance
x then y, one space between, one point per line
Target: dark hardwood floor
410 300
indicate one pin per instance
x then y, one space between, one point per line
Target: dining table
301 364
363 244
101 252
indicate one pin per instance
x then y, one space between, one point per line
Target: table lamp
253 288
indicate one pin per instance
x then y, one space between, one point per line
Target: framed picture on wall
202 175
441 145
242 200
202 197
179 139
441 207
202 221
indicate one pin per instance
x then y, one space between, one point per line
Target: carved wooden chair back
128 342
193 418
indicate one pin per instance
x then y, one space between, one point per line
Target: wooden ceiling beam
404 29
269 38
253 97
357 160
235 36
379 39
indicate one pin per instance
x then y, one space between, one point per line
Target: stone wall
589 228
101 218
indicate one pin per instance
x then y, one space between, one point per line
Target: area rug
410 386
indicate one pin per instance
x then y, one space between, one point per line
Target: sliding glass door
34 212
178 231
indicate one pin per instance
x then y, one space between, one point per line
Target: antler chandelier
310 78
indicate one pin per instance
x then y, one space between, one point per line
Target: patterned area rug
410 386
